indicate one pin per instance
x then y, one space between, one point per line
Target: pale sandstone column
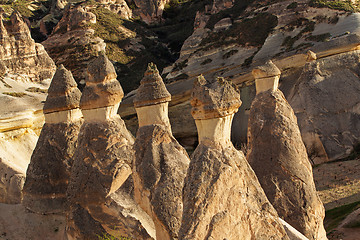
222 196
48 173
102 163
266 77
161 163
278 156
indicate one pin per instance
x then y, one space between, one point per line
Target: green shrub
334 216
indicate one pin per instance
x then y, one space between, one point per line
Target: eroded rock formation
161 162
278 156
222 196
25 73
150 10
48 173
102 162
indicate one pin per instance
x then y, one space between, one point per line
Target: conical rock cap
102 88
214 99
152 89
63 93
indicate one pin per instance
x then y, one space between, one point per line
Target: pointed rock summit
49 170
222 196
161 162
152 89
102 163
102 88
278 156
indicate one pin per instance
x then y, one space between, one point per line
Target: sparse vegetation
36 90
106 236
319 38
334 216
206 61
230 53
15 94
346 5
292 5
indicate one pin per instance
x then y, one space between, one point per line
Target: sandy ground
338 183
17 223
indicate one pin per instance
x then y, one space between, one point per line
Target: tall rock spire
161 163
48 173
102 163
222 196
278 156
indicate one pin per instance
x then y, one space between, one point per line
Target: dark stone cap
63 93
152 89
214 99
102 88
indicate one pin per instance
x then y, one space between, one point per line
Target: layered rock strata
161 163
222 196
48 173
103 160
19 54
278 156
25 73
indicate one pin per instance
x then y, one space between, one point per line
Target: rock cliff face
279 159
48 173
150 11
222 196
327 104
25 73
160 161
103 160
73 43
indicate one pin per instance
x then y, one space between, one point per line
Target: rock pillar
222 196
48 173
278 156
102 163
161 162
266 77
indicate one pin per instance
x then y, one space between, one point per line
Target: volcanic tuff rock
327 104
72 42
25 71
102 161
150 10
279 159
222 196
160 161
48 173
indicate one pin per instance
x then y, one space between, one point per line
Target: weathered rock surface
160 161
25 71
327 104
48 173
19 54
279 159
222 196
149 10
102 163
72 42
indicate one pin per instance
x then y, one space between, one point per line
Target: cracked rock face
102 163
48 173
279 159
222 196
160 161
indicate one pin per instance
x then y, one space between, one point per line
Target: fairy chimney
222 196
266 77
160 162
102 163
48 173
278 156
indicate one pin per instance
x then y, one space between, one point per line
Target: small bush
36 90
15 94
292 5
230 53
206 61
